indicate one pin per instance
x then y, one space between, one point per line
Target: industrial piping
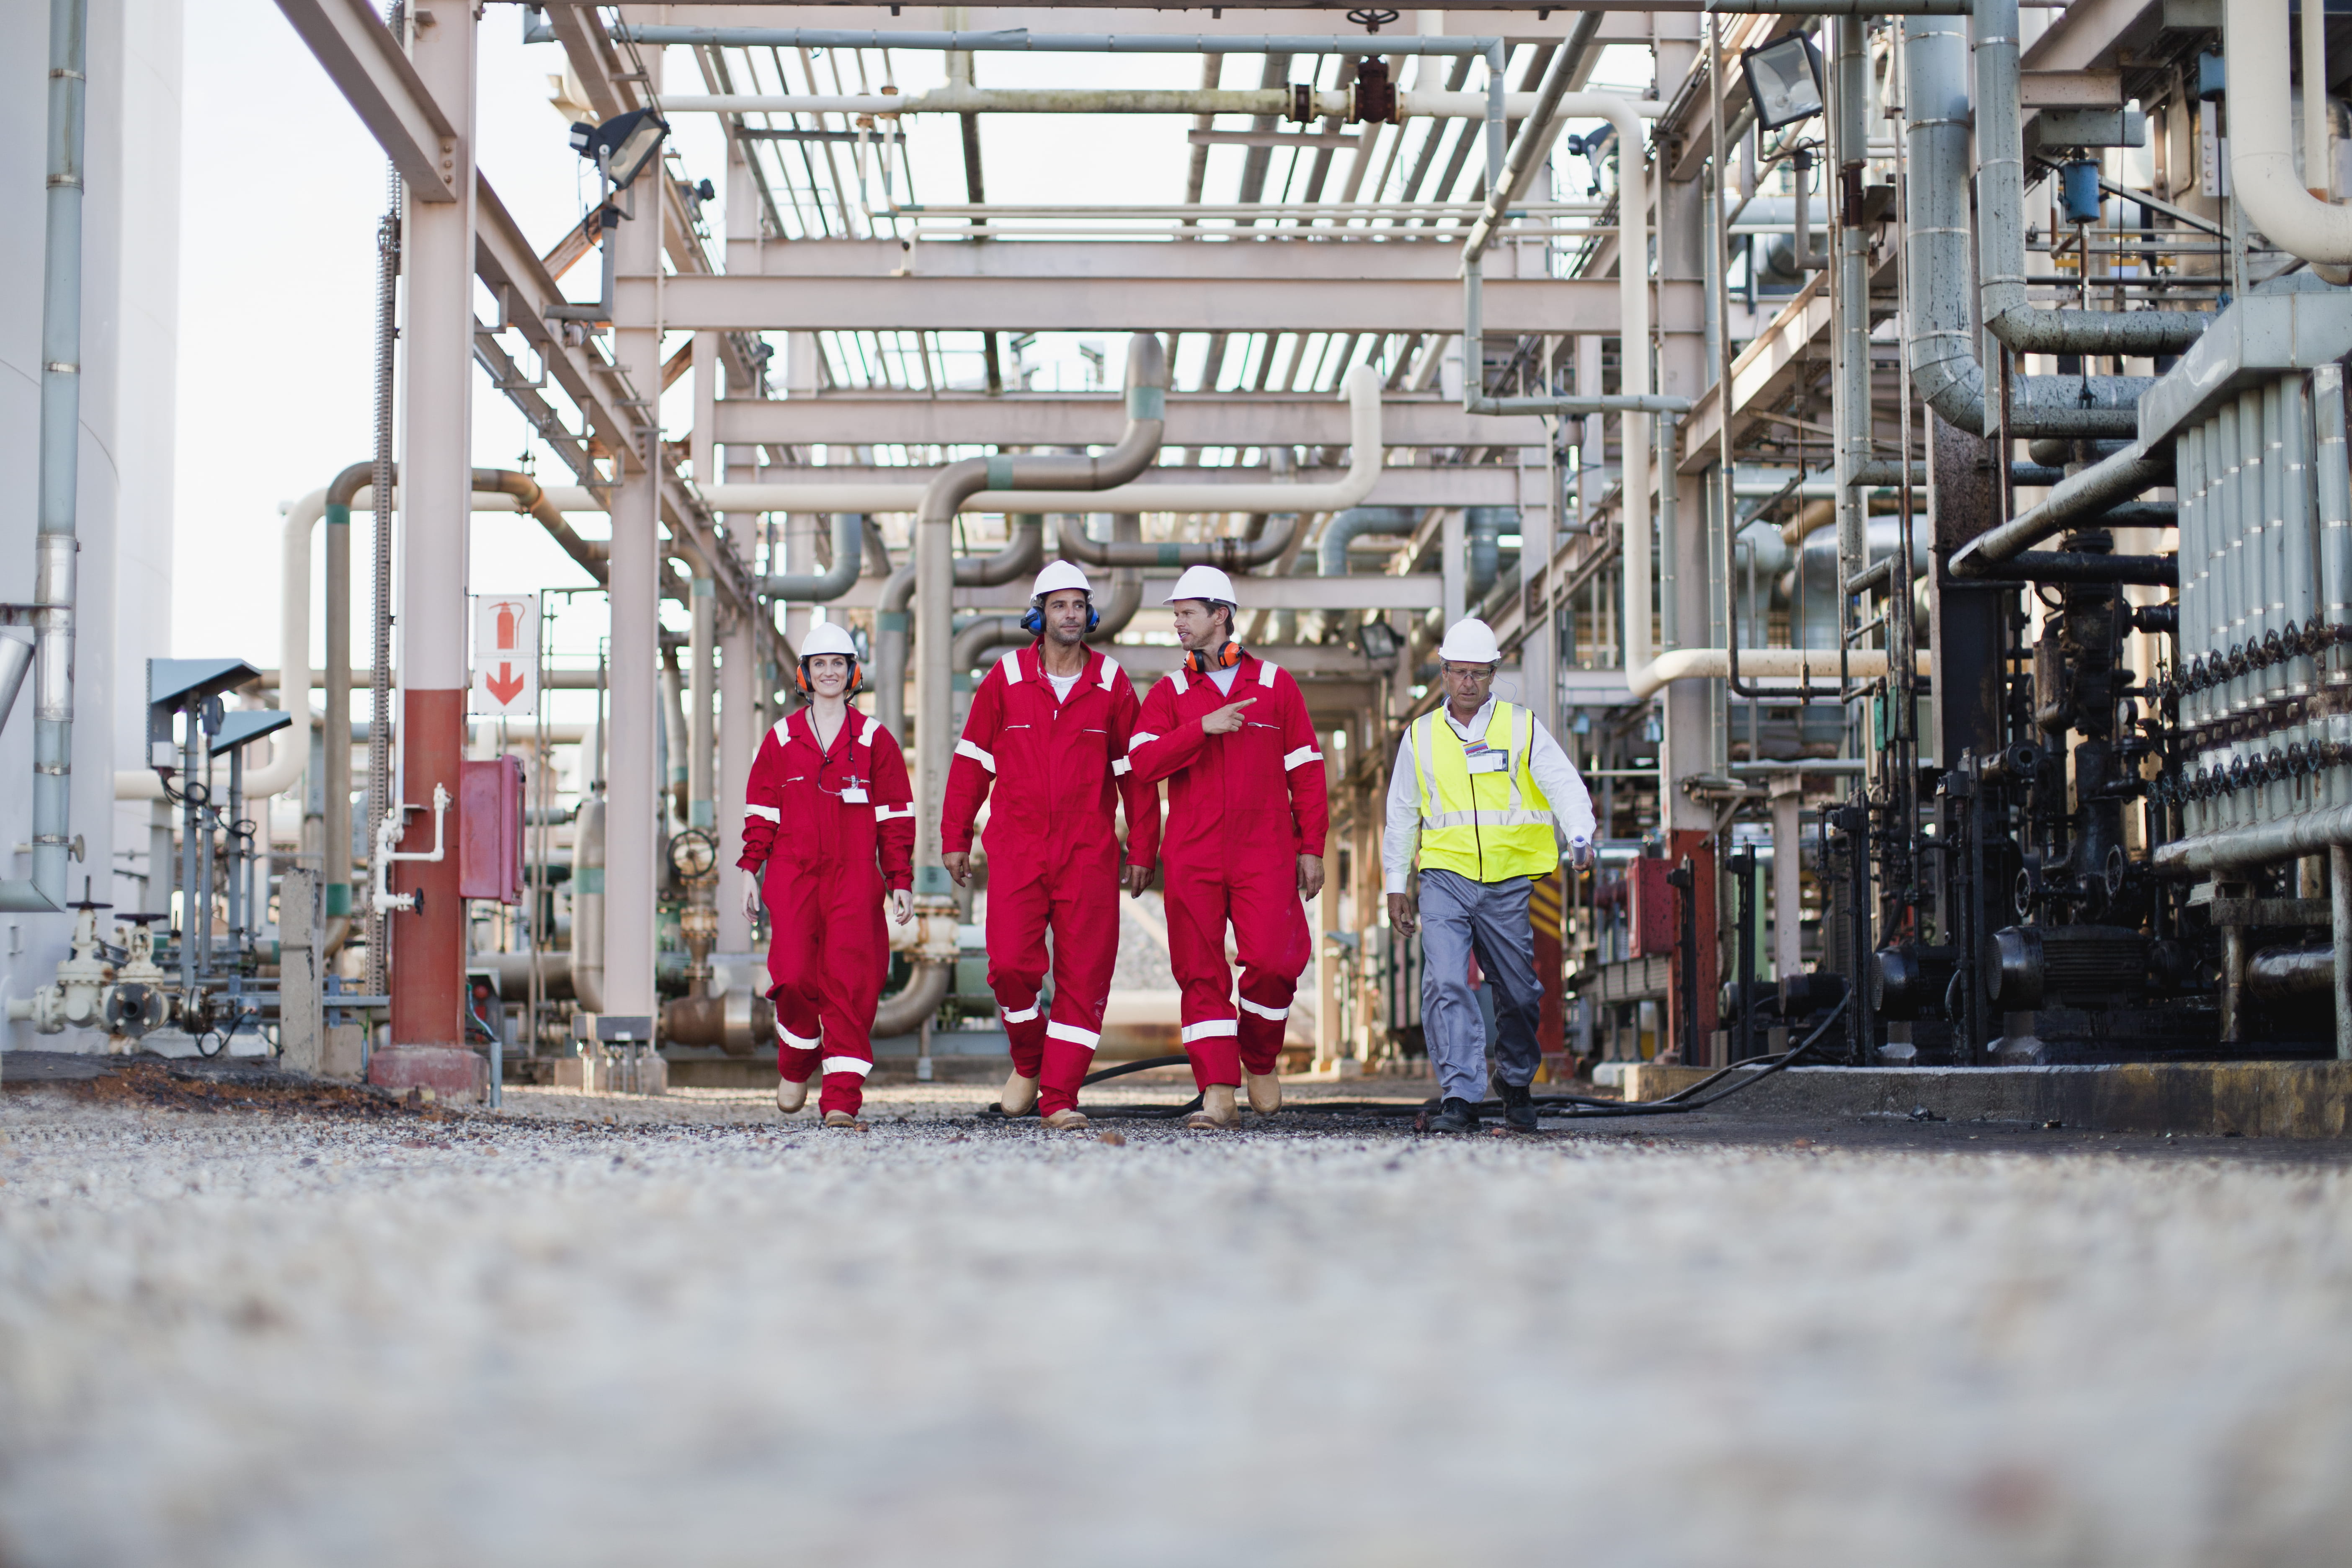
1364 466
1026 551
819 588
2261 142
2000 209
2078 498
54 543
1945 370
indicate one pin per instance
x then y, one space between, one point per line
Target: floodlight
1378 640
623 144
1784 77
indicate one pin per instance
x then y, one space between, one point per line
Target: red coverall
1242 808
835 828
1059 770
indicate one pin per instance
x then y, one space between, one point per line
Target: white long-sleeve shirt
1571 807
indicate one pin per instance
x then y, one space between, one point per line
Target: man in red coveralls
1048 728
1244 843
830 815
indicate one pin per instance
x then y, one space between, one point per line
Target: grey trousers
1457 916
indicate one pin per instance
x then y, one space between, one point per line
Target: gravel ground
595 1332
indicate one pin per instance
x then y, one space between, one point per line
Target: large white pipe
1364 463
2261 138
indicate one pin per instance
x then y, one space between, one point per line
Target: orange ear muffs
857 677
1228 655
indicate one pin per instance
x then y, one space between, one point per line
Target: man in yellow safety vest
1481 796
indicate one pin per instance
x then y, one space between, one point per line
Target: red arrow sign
505 685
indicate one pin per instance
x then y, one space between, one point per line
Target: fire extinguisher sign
506 653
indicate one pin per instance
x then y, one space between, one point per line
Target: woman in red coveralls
831 816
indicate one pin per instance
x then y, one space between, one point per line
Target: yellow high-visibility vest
1491 825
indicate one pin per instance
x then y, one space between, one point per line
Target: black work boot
1456 1115
1518 1106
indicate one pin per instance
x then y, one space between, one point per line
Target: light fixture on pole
621 148
1784 79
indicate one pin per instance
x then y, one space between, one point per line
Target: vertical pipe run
2332 490
2340 888
54 543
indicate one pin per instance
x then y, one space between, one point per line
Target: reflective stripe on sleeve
847 1064
1267 671
966 748
1061 1031
1277 1014
1010 665
1300 758
1120 767
1210 1028
1177 675
1109 671
886 813
1138 738
767 813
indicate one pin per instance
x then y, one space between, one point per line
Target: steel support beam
1370 591
1041 419
426 942
365 61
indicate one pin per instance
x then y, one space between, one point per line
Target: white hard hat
1057 578
1470 641
828 638
1204 582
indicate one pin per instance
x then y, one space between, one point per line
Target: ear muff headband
1034 623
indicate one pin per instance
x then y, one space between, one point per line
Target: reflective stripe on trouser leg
1457 914
1271 937
828 963
1085 915
1016 968
1196 904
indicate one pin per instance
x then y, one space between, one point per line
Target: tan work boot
1264 1091
791 1096
1066 1121
844 1121
1217 1111
1020 1096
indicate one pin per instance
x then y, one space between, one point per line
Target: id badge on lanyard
1483 758
854 794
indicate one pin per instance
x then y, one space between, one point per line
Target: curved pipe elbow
2262 140
903 1013
822 587
1331 553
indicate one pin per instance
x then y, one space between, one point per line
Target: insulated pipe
1483 531
934 564
701 804
904 1013
1332 550
588 905
1364 464
1937 257
2256 844
2000 203
2079 498
2261 138
1023 553
54 545
821 587
2283 972
985 635
2000 218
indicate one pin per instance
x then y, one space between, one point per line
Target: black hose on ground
1580 1108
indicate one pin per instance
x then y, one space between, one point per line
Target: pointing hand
1226 720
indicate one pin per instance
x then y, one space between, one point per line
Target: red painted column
428 1048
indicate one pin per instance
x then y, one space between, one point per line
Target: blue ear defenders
1034 623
